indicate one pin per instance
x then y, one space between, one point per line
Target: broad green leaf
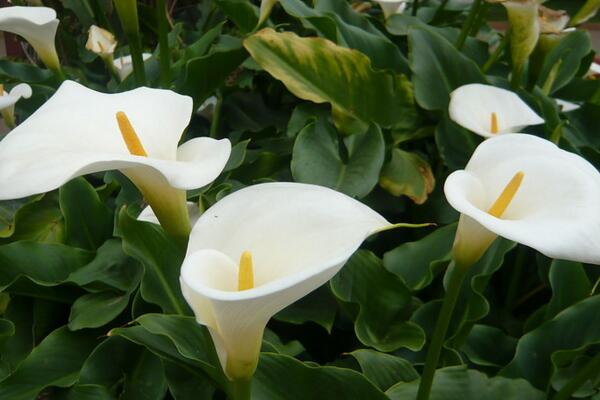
438 68
455 144
459 383
24 72
184 385
8 213
82 10
409 175
203 75
554 343
417 262
39 220
280 377
489 346
316 69
318 306
563 62
273 343
146 380
94 310
24 259
14 348
570 284
177 339
316 159
384 370
84 392
54 362
381 321
161 258
88 222
242 12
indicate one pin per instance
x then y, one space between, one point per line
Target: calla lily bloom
528 190
38 26
9 99
391 7
101 42
124 65
553 21
489 111
80 131
259 250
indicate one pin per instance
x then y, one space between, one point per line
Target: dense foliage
328 93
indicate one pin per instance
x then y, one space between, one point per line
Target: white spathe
555 210
37 25
471 106
299 236
76 133
391 7
124 65
147 215
8 101
101 42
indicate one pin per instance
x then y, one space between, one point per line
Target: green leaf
438 68
407 174
39 220
88 222
459 383
384 370
54 362
146 380
489 346
24 72
570 285
316 159
563 62
96 309
417 262
554 343
242 12
177 339
161 258
14 348
319 307
316 69
8 212
184 385
381 321
455 144
85 392
280 377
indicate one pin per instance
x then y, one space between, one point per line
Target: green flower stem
468 25
163 43
127 11
587 372
241 389
415 7
497 53
458 273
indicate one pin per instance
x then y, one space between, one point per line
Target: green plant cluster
328 93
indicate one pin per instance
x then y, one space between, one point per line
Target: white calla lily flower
101 42
124 65
489 111
391 7
38 26
567 106
528 190
289 239
80 131
9 99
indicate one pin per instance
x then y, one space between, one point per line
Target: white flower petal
471 106
75 133
391 7
100 41
567 106
36 24
124 65
147 215
555 210
299 236
10 98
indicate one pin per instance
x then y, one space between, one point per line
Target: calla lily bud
552 21
38 26
136 132
101 42
526 189
391 7
490 111
259 250
124 65
8 99
586 12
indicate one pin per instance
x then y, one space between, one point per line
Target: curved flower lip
371 223
22 90
34 15
100 41
555 211
76 133
124 65
472 105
